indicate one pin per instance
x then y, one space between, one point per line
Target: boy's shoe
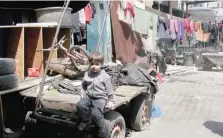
83 125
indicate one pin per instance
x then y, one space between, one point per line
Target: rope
66 3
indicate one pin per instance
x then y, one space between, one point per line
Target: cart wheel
29 122
115 124
141 111
28 119
82 61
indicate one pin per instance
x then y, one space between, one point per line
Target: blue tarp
156 112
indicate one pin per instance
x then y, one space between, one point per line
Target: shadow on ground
215 127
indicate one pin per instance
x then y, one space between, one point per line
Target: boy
99 93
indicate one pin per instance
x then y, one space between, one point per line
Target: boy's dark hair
96 57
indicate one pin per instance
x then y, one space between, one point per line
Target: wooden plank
48 35
120 100
33 42
129 91
26 84
2 128
16 49
64 31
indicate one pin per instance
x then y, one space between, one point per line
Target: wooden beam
33 42
16 49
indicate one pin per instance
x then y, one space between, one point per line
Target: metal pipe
103 25
50 56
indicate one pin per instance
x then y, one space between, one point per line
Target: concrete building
207 11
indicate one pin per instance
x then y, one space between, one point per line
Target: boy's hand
110 105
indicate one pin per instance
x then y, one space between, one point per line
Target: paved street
191 103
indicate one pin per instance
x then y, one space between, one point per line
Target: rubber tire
28 119
8 82
7 66
136 112
86 53
111 118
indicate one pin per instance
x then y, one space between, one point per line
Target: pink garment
176 25
130 8
192 26
173 24
187 25
88 13
159 76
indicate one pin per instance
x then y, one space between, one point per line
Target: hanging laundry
82 18
173 29
163 31
139 4
88 13
154 26
192 26
181 30
148 43
193 38
187 25
93 10
200 34
173 25
141 24
214 34
126 18
129 8
205 27
76 31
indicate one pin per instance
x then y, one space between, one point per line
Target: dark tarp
137 76
127 42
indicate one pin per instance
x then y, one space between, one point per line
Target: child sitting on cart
99 94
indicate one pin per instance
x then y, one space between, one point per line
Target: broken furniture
21 43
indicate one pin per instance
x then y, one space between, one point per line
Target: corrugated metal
127 42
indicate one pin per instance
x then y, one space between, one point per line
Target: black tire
28 119
141 110
84 52
7 66
114 122
8 82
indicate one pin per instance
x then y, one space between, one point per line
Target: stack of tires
8 77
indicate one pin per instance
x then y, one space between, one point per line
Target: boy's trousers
92 109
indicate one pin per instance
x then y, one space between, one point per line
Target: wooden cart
60 109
